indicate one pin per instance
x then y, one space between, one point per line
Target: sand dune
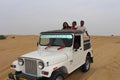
106 64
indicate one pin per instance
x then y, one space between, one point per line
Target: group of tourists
75 27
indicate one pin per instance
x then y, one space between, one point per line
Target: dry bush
2 37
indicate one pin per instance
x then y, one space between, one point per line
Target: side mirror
75 50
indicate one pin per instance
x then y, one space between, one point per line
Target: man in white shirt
83 28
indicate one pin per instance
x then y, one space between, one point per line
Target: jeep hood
51 57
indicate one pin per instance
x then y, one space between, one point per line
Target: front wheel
85 67
57 75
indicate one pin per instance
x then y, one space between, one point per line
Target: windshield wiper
61 47
49 45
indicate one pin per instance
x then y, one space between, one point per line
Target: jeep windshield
56 40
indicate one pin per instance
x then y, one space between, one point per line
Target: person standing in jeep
83 28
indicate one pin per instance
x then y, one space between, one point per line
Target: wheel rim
59 78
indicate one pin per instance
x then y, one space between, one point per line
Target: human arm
87 34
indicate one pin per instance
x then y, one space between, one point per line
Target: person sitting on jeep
83 28
74 23
65 26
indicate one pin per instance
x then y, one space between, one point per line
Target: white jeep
59 52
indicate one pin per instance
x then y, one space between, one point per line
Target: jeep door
77 51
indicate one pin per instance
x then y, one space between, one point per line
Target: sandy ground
106 64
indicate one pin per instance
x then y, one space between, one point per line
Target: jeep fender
54 68
17 67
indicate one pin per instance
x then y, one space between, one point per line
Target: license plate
22 79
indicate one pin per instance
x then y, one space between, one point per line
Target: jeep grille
31 66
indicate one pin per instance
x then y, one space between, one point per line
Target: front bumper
27 77
23 76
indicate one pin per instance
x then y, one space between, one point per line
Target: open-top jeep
59 52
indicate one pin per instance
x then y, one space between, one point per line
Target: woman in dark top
66 26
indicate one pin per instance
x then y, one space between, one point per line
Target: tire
16 73
57 75
85 67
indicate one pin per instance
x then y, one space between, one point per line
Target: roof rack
64 31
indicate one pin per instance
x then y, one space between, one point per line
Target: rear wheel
57 75
86 66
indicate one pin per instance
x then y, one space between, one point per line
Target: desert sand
106 50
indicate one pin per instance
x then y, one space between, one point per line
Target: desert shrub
2 37
13 37
112 35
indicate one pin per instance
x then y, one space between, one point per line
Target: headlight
20 61
40 65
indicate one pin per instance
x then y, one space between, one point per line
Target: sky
102 17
